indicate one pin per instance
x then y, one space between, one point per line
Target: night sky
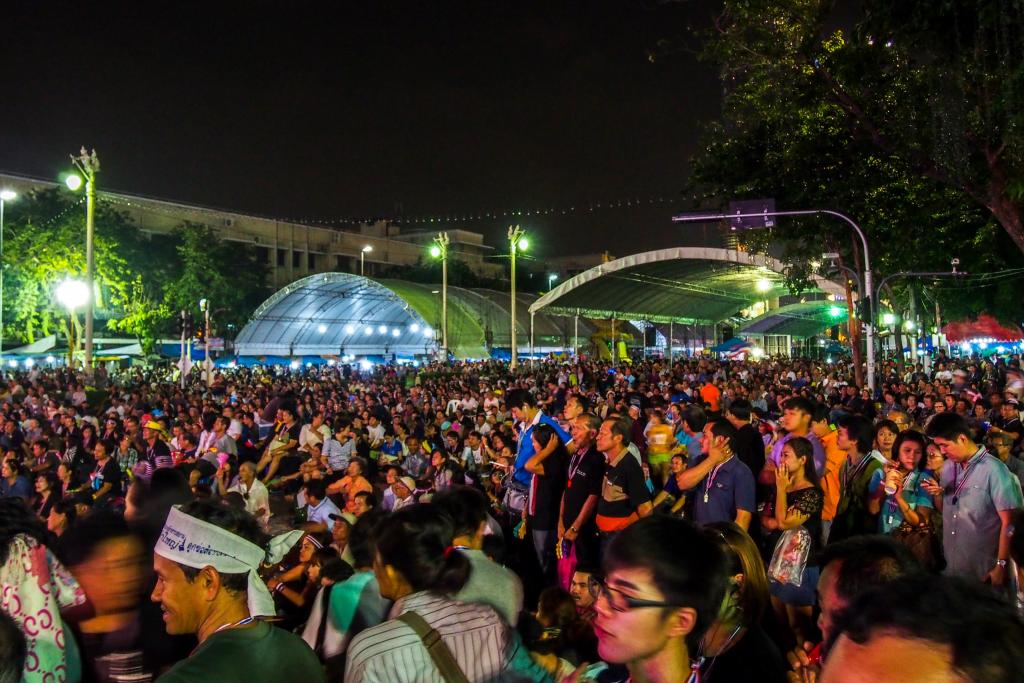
352 109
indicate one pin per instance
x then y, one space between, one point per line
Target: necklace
697 675
240 622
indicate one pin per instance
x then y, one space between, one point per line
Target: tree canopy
141 280
905 118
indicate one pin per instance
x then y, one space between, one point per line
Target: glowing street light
362 258
764 285
835 311
551 279
72 295
439 249
5 196
888 319
88 165
517 241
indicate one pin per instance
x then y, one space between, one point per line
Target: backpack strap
438 651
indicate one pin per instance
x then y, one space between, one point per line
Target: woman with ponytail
419 569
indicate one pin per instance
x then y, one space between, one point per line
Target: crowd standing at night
702 520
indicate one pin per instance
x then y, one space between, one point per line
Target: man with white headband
206 562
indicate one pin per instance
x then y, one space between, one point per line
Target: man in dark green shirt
206 562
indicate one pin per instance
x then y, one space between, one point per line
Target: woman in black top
798 504
47 493
736 646
548 467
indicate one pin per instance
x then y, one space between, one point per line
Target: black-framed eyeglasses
619 601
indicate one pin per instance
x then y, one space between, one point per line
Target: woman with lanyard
798 505
736 646
899 499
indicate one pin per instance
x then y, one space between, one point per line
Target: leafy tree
141 281
228 274
892 122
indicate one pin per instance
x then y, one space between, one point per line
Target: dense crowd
701 520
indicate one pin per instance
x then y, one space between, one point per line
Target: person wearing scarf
206 562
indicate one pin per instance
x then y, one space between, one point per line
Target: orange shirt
711 395
834 459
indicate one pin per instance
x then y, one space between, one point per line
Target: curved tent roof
680 284
332 314
329 314
800 320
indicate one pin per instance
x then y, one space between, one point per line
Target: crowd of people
573 520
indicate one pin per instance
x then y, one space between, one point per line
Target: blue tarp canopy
730 345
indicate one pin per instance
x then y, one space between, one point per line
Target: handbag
515 498
438 651
920 540
790 557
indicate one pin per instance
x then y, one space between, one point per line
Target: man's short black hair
982 630
316 488
582 401
866 562
362 538
799 403
722 427
821 413
696 418
740 409
466 506
517 398
860 430
621 426
948 426
238 522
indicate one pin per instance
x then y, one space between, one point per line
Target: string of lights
438 218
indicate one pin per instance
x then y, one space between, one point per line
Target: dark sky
339 109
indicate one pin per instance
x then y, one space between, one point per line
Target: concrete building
293 250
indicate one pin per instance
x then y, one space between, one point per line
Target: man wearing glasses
657 599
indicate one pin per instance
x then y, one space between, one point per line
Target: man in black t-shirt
582 490
625 497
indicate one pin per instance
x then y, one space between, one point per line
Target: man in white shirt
252 490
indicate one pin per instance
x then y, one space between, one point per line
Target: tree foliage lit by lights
141 280
908 119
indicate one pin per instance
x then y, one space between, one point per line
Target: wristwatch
1000 563
574 530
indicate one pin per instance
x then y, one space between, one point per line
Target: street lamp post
204 307
362 258
5 196
516 242
72 294
440 250
88 165
868 282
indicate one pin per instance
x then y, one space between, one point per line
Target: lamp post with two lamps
5 196
72 295
517 242
439 249
88 165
